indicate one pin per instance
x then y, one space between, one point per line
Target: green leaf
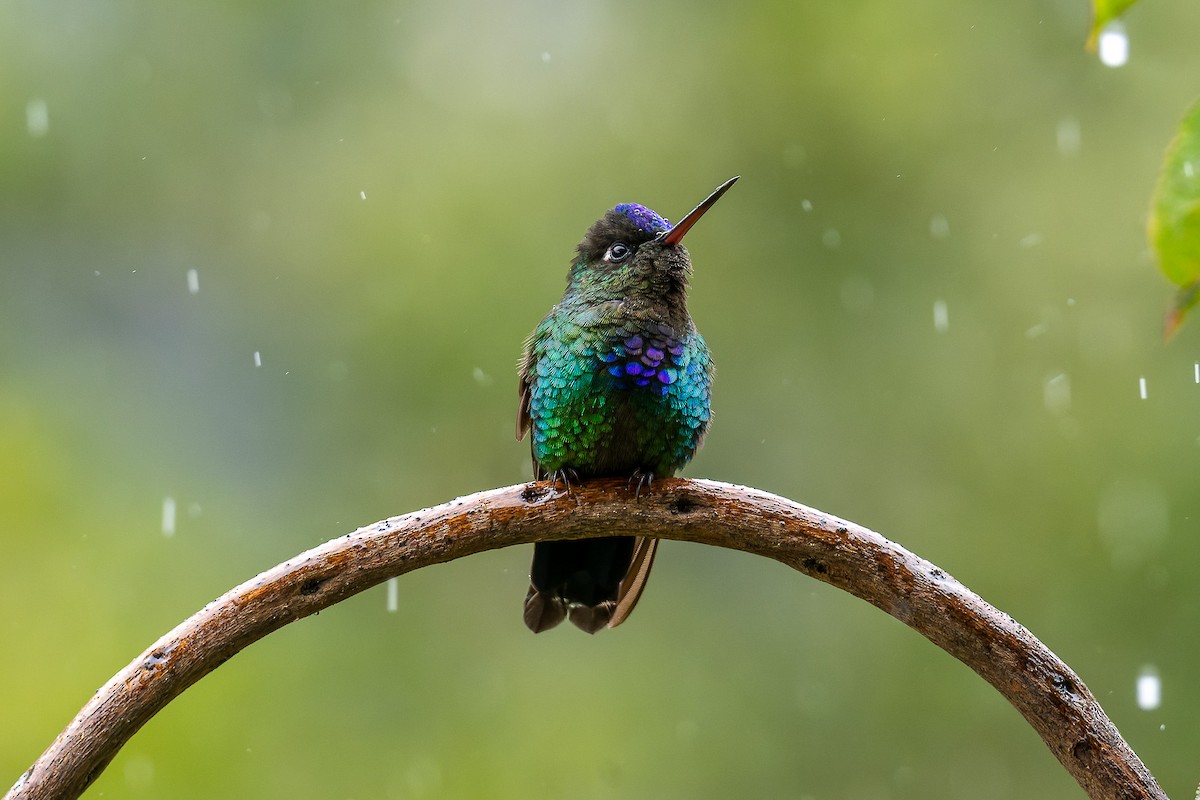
1185 299
1104 12
1174 226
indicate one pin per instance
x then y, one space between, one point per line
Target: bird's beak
675 234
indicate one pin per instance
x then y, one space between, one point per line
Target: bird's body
615 382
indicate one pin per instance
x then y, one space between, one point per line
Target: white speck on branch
1041 687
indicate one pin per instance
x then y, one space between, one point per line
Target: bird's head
633 249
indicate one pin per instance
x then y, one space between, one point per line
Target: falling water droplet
939 227
1114 45
1056 394
193 279
1142 387
37 117
393 595
257 359
1149 689
1068 137
168 516
941 316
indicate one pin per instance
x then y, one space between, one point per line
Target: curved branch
1046 692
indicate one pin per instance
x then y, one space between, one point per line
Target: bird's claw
640 480
564 475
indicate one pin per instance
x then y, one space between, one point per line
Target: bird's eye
617 252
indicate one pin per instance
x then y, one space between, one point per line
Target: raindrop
1057 394
257 358
393 595
939 227
1149 689
1114 45
1197 372
362 195
1068 137
168 516
806 204
1142 387
193 279
941 316
481 377
1188 170
37 117
1032 240
545 57
831 238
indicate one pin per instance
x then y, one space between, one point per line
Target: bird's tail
595 582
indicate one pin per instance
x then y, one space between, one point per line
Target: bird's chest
604 401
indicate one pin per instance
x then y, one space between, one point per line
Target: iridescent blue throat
635 362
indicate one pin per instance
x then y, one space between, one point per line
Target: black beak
675 234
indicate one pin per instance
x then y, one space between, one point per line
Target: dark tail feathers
595 582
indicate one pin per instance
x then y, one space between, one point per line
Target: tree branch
1046 692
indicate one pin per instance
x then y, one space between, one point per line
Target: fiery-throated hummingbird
615 382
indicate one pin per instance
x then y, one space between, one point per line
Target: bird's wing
635 579
525 376
524 416
524 421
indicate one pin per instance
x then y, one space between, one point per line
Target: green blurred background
381 199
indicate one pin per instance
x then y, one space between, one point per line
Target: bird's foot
566 476
640 480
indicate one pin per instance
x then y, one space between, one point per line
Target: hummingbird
615 382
